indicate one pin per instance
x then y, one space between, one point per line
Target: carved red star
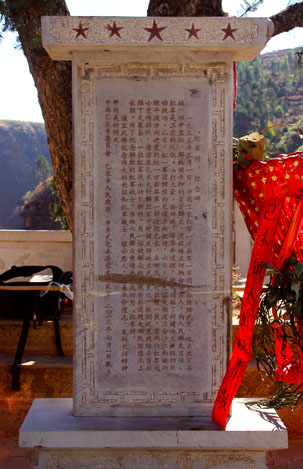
155 31
114 29
80 30
193 32
228 32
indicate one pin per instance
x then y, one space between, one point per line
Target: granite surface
50 424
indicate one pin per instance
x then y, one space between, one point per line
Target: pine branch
288 304
251 6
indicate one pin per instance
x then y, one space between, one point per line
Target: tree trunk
288 19
53 80
185 8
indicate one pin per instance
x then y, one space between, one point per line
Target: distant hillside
270 91
20 145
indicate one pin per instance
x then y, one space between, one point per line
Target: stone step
40 341
41 376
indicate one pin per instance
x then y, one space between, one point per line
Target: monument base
64 441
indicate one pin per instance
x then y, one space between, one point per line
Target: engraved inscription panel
151 335
152 264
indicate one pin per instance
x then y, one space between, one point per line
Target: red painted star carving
80 30
228 32
114 29
193 32
155 31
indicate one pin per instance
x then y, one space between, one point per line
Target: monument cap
244 38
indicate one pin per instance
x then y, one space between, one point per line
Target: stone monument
152 119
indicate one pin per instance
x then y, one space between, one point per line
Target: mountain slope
20 145
270 90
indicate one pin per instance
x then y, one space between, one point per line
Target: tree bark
288 19
53 80
185 8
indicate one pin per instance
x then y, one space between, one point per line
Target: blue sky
17 91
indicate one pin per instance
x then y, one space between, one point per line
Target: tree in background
53 78
43 169
53 205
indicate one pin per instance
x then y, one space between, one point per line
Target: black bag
30 305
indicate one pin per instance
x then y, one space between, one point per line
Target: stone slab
244 38
152 234
152 459
51 425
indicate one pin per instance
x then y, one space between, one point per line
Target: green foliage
279 112
285 294
13 15
26 197
271 131
270 90
55 208
43 169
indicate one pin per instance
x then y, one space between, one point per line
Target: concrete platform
67 440
14 457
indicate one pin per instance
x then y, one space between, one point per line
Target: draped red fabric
270 197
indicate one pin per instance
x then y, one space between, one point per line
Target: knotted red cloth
270 197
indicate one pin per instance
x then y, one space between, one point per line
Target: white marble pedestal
68 442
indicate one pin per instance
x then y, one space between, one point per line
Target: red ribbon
270 197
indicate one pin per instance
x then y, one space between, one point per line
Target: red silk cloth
270 197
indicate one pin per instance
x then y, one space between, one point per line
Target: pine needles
279 333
